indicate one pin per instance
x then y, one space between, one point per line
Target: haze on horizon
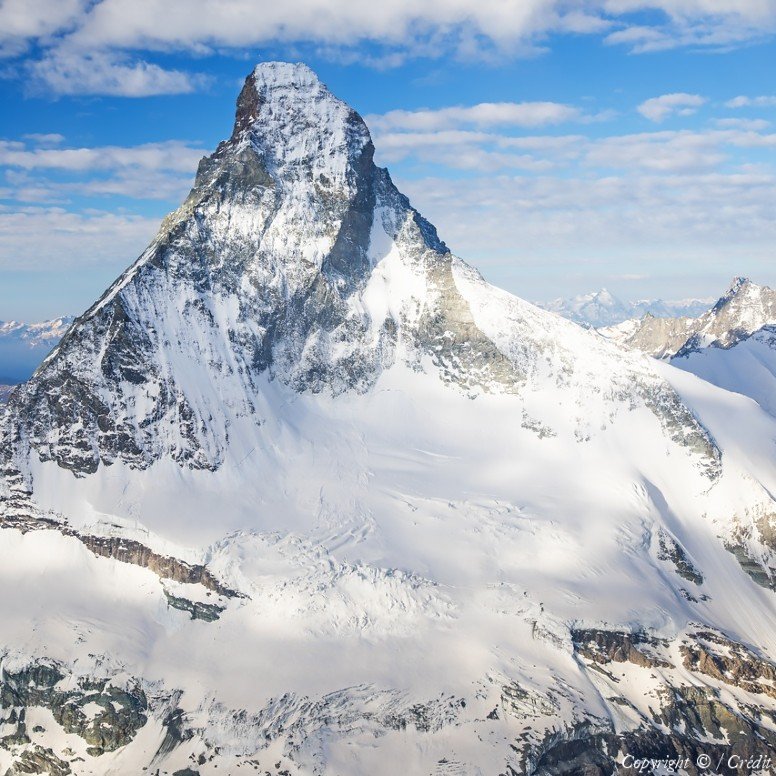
558 146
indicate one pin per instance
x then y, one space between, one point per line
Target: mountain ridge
302 492
744 308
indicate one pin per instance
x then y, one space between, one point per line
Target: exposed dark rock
729 662
602 646
670 550
38 759
197 609
122 712
17 510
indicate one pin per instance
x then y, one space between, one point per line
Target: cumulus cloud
763 101
180 23
23 21
67 71
658 109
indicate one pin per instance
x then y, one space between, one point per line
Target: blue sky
558 145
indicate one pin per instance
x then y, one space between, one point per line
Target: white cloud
660 108
530 232
52 238
485 114
662 151
752 125
136 184
181 23
45 138
100 34
172 155
65 71
42 171
22 21
764 101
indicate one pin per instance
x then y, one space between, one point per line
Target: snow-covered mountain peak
736 284
291 118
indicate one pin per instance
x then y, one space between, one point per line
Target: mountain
24 345
747 367
744 308
301 493
602 308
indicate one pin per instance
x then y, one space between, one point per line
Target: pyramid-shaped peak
269 75
737 284
290 117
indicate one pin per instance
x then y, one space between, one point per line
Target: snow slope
303 493
748 367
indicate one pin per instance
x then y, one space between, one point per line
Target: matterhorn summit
302 493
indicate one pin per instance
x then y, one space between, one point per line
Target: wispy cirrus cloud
576 229
42 169
660 108
173 155
485 114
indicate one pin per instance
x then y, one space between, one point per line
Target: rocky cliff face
303 493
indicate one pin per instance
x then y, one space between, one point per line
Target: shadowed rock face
700 719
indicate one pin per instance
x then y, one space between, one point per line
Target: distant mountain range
602 308
24 345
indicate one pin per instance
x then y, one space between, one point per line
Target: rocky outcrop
106 716
38 759
19 511
603 646
670 550
729 662
686 723
164 566
197 609
742 310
